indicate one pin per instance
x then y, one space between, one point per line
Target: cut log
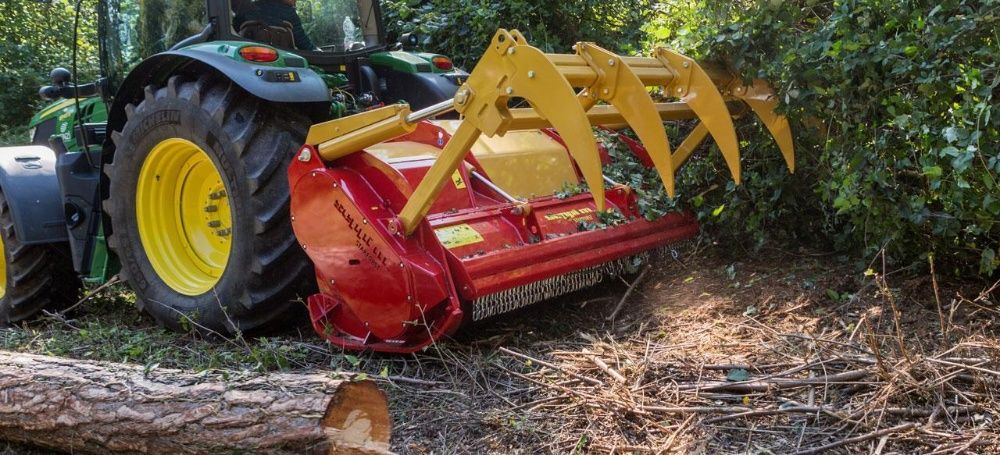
101 407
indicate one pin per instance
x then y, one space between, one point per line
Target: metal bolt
214 224
531 74
306 155
605 91
293 218
211 208
611 62
336 185
510 51
217 195
223 232
680 90
686 64
401 265
510 90
365 221
332 282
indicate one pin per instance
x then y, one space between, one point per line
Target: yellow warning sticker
582 214
457 179
458 235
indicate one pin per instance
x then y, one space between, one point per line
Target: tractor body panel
28 179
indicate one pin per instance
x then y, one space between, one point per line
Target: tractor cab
338 26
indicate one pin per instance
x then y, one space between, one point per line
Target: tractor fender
158 69
28 180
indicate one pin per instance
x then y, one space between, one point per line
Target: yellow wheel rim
3 271
183 214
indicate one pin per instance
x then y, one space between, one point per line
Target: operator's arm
302 40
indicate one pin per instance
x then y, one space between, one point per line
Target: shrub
894 110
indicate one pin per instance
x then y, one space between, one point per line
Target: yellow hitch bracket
341 137
618 85
762 100
695 88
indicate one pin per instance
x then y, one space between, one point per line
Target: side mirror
409 40
60 77
50 93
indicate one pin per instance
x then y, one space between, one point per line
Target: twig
937 297
554 367
111 282
864 437
960 365
605 367
777 383
695 409
621 303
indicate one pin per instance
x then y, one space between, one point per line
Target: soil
765 352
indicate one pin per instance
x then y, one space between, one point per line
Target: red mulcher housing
416 226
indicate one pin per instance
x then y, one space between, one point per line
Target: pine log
101 407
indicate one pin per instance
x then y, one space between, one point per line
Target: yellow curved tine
694 87
762 100
536 79
619 86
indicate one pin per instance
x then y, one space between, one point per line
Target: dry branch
101 407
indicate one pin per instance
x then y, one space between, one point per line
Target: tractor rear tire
33 277
199 207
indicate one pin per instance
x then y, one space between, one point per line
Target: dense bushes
904 99
893 105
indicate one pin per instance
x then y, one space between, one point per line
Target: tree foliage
462 29
36 37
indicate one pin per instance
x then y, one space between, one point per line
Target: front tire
199 201
32 277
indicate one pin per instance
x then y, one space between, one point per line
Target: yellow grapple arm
571 93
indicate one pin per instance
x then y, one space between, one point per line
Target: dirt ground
768 352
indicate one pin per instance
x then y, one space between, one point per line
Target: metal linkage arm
571 93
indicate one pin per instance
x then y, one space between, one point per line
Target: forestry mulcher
443 199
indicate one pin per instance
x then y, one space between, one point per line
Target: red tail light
259 54
443 63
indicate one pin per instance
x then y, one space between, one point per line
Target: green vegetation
892 104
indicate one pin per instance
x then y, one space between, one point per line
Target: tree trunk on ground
100 407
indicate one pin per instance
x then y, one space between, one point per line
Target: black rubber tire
38 276
251 143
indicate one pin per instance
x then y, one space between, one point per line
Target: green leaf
718 210
988 262
738 375
933 171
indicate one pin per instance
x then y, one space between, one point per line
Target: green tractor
173 175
